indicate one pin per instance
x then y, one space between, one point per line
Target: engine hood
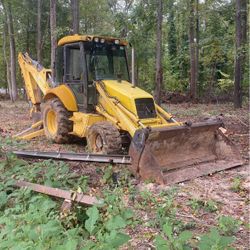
125 93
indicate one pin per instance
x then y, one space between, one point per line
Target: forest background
198 48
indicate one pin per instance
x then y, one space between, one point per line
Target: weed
10 141
210 206
165 211
228 225
107 176
195 204
168 240
213 240
106 223
236 184
207 205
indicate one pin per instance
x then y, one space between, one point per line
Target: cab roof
78 38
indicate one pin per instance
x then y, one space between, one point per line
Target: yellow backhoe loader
92 97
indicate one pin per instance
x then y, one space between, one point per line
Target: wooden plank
56 192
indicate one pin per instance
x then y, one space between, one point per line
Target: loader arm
126 120
168 151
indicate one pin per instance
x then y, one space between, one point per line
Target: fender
65 95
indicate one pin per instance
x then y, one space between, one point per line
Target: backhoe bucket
179 153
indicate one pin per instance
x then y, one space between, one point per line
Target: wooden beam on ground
56 192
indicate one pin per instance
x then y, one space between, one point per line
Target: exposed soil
217 187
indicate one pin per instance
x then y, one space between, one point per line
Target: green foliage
207 205
105 224
107 177
136 21
225 83
172 242
236 184
228 225
33 221
213 240
93 215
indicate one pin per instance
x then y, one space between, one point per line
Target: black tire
104 137
56 121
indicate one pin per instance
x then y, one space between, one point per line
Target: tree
241 38
158 64
172 43
197 30
75 16
212 40
6 61
8 11
53 34
192 49
39 32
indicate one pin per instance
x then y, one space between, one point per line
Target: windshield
106 61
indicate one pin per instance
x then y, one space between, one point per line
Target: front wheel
56 121
104 137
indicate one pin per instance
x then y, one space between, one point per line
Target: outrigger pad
35 130
180 153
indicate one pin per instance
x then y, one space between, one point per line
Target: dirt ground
217 187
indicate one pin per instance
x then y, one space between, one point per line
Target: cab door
74 73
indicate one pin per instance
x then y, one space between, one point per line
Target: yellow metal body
77 38
117 103
64 94
82 122
31 132
116 99
35 77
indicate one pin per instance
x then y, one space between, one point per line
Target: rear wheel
104 137
56 121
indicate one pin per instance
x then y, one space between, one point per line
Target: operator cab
81 60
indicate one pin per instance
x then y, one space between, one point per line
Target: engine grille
145 108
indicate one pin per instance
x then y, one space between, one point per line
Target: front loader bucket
179 153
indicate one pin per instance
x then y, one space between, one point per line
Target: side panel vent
145 108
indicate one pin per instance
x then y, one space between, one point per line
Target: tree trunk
6 62
53 35
197 30
158 75
28 35
244 36
241 38
39 32
192 48
12 51
75 16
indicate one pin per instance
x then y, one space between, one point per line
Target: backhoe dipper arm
35 78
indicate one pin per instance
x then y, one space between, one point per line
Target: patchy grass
237 184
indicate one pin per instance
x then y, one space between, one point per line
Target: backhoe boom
36 78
